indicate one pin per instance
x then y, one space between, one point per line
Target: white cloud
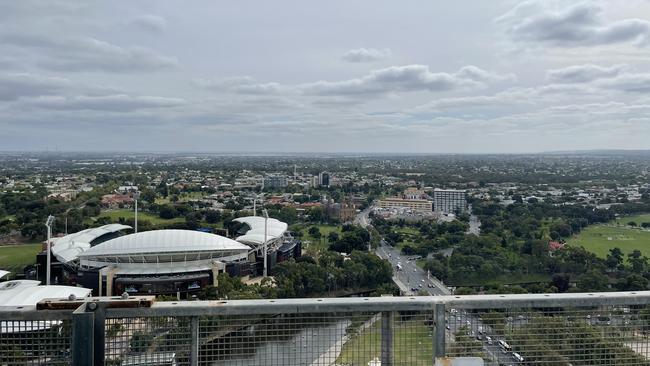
367 54
566 24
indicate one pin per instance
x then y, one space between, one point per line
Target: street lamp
48 224
136 195
266 219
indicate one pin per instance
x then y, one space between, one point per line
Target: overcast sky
333 76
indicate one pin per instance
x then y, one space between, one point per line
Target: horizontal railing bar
376 304
343 305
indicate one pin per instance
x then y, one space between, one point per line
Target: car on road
488 339
517 357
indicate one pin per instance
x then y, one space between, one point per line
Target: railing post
439 336
387 338
99 332
194 350
82 337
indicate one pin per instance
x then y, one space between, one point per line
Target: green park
619 233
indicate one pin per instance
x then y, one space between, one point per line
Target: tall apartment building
449 200
415 205
324 179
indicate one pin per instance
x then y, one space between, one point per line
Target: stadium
166 262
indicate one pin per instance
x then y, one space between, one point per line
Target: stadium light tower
255 198
266 219
48 224
136 195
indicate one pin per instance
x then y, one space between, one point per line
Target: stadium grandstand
66 249
280 244
172 262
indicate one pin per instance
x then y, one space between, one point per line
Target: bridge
559 329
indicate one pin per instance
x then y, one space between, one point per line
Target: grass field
316 245
636 218
129 214
412 344
14 258
183 197
600 238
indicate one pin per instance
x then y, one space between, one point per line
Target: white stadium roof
28 292
257 222
255 236
67 249
163 241
3 273
21 293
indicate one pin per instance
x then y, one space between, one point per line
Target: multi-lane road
413 279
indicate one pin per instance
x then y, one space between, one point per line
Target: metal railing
543 329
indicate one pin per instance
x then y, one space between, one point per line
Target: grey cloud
15 86
113 103
89 54
383 81
150 23
243 85
576 25
366 54
402 78
583 73
628 82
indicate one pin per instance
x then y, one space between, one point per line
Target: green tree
593 281
314 232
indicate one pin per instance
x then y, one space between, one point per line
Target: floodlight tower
48 224
266 219
136 195
255 198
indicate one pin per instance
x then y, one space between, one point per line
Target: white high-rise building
449 200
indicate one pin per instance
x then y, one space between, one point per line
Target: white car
517 357
488 339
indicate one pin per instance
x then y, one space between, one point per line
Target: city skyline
368 77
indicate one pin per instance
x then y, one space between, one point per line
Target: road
408 276
411 276
363 218
474 225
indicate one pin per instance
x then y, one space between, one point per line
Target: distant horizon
291 153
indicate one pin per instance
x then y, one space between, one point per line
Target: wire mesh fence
338 338
595 335
39 342
567 330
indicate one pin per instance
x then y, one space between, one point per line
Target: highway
413 279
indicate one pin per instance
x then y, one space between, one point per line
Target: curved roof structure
255 236
21 293
163 251
28 292
67 249
257 222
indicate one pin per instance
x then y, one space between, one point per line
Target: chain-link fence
567 329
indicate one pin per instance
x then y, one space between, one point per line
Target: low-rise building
415 205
